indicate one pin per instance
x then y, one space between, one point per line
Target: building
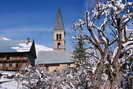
60 57
54 60
16 54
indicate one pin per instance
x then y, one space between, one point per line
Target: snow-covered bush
69 78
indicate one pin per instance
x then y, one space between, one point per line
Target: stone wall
54 67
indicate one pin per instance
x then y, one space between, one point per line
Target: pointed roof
59 21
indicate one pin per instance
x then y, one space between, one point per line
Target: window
55 70
4 66
58 45
8 58
17 65
47 68
68 64
58 37
10 64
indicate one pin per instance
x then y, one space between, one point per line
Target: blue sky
20 19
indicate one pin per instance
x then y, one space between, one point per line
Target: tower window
58 45
58 37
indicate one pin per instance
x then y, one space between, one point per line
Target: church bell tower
59 33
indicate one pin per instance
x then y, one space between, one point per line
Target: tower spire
59 32
59 21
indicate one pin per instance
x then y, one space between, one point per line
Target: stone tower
59 33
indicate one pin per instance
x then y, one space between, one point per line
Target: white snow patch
42 48
25 46
22 47
128 29
4 38
10 85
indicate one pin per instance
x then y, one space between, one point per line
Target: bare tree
106 25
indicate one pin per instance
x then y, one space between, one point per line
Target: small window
8 58
68 64
58 37
10 64
47 68
3 65
55 70
17 65
58 45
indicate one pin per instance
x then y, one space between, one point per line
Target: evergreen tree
79 53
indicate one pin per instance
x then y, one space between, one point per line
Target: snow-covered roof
7 46
42 48
3 38
54 57
23 44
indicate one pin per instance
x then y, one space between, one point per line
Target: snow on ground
7 72
6 83
10 85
